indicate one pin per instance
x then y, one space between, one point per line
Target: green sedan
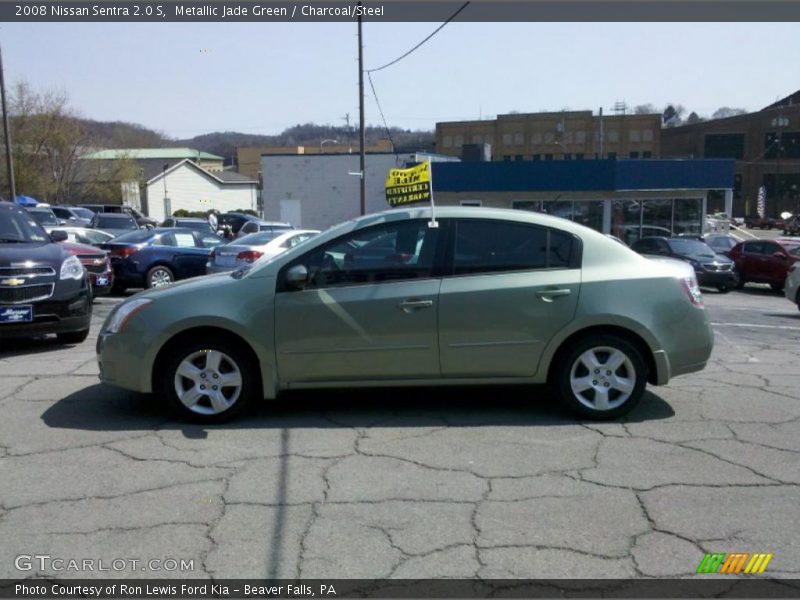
479 296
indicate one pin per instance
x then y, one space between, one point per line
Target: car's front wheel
209 381
601 376
159 276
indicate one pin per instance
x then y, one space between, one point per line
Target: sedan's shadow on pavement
103 408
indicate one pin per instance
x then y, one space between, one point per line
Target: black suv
43 288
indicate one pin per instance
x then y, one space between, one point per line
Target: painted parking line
753 325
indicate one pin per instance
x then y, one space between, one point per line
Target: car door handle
550 295
409 306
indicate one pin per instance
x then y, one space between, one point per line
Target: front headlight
117 319
71 269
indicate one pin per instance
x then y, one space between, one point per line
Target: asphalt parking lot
480 482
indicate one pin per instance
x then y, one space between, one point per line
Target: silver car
255 246
480 296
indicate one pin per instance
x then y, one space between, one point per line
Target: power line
398 59
380 110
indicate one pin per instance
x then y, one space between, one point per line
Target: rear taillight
249 255
692 290
124 252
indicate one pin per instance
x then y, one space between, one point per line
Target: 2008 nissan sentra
489 296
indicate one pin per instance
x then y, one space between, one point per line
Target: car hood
719 259
194 287
40 253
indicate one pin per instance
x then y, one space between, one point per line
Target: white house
187 186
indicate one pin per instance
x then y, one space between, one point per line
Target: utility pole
362 133
9 160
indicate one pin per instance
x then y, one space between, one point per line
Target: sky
185 79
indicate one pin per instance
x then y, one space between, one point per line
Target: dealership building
628 198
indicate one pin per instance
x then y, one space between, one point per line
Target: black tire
157 277
797 299
203 410
740 282
570 366
723 289
119 288
72 337
776 287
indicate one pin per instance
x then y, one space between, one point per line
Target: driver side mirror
58 236
296 277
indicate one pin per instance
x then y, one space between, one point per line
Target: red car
764 261
96 263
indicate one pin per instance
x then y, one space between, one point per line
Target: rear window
113 221
496 246
257 239
135 237
44 217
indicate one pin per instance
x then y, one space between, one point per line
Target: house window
536 157
647 135
507 139
518 157
507 157
647 154
579 156
634 155
519 139
634 135
458 141
548 157
536 137
567 156
549 137
580 137
447 141
612 155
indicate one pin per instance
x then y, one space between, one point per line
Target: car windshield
44 217
196 225
721 243
257 239
686 247
134 237
17 226
116 221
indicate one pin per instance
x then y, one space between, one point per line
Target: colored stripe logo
734 563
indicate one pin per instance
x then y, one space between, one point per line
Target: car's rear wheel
797 299
776 287
723 289
601 376
72 337
209 381
740 282
159 276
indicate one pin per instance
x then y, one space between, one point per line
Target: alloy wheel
160 278
602 378
208 382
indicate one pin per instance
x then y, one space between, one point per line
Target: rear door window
502 246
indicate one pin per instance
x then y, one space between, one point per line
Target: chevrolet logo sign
12 281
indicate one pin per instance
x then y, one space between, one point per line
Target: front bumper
716 278
102 289
66 311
